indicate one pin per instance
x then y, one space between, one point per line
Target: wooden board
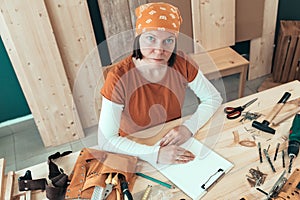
117 24
9 187
249 19
2 171
287 55
261 49
213 24
32 49
77 45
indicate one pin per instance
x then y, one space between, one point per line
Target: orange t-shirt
147 104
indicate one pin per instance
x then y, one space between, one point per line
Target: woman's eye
169 41
150 38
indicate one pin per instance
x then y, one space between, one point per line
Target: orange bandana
157 16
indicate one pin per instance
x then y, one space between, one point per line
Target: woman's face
157 46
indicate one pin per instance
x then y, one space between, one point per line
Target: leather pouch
92 169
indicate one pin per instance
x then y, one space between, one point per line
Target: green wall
13 103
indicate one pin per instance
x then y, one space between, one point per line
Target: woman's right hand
173 154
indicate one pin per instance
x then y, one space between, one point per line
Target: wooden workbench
226 62
234 184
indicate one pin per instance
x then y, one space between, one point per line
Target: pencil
154 180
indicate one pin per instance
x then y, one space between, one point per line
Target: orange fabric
157 16
148 104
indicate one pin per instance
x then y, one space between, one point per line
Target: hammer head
264 126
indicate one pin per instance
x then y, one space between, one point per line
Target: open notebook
195 177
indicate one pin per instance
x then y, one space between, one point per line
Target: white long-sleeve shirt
109 123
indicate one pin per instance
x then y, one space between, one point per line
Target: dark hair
138 54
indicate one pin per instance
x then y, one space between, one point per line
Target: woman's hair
137 54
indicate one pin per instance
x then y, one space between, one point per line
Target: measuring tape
97 194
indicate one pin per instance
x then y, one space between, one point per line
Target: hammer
264 126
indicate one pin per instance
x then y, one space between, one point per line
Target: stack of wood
7 185
286 65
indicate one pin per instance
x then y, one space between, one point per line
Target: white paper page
200 173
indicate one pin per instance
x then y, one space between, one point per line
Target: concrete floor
21 144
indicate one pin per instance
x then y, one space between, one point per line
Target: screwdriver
294 140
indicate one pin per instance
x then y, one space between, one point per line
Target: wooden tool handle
278 120
278 107
274 112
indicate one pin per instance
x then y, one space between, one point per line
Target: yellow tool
147 192
115 181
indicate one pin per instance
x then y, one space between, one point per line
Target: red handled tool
235 112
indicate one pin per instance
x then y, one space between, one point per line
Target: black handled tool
264 126
124 187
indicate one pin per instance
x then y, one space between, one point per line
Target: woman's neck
150 71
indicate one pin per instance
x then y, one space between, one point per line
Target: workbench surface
218 135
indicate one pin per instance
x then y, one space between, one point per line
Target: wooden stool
227 62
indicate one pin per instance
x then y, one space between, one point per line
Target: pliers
110 183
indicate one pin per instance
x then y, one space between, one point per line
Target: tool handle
279 119
278 107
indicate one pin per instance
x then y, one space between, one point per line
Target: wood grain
77 45
28 37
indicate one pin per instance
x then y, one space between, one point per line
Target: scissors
235 112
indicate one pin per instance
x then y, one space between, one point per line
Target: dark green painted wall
12 101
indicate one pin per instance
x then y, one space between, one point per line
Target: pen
155 180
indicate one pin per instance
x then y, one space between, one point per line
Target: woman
148 88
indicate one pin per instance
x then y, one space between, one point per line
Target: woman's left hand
176 136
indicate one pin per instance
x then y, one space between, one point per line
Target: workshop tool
276 151
269 160
276 187
283 160
235 112
109 186
147 192
291 189
98 193
259 152
250 116
257 177
294 140
264 126
124 187
115 182
280 119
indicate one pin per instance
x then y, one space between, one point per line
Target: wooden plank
213 23
2 171
78 48
31 46
296 62
185 38
117 27
133 4
280 56
8 193
289 58
261 49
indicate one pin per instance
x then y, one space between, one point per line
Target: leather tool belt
55 188
93 167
